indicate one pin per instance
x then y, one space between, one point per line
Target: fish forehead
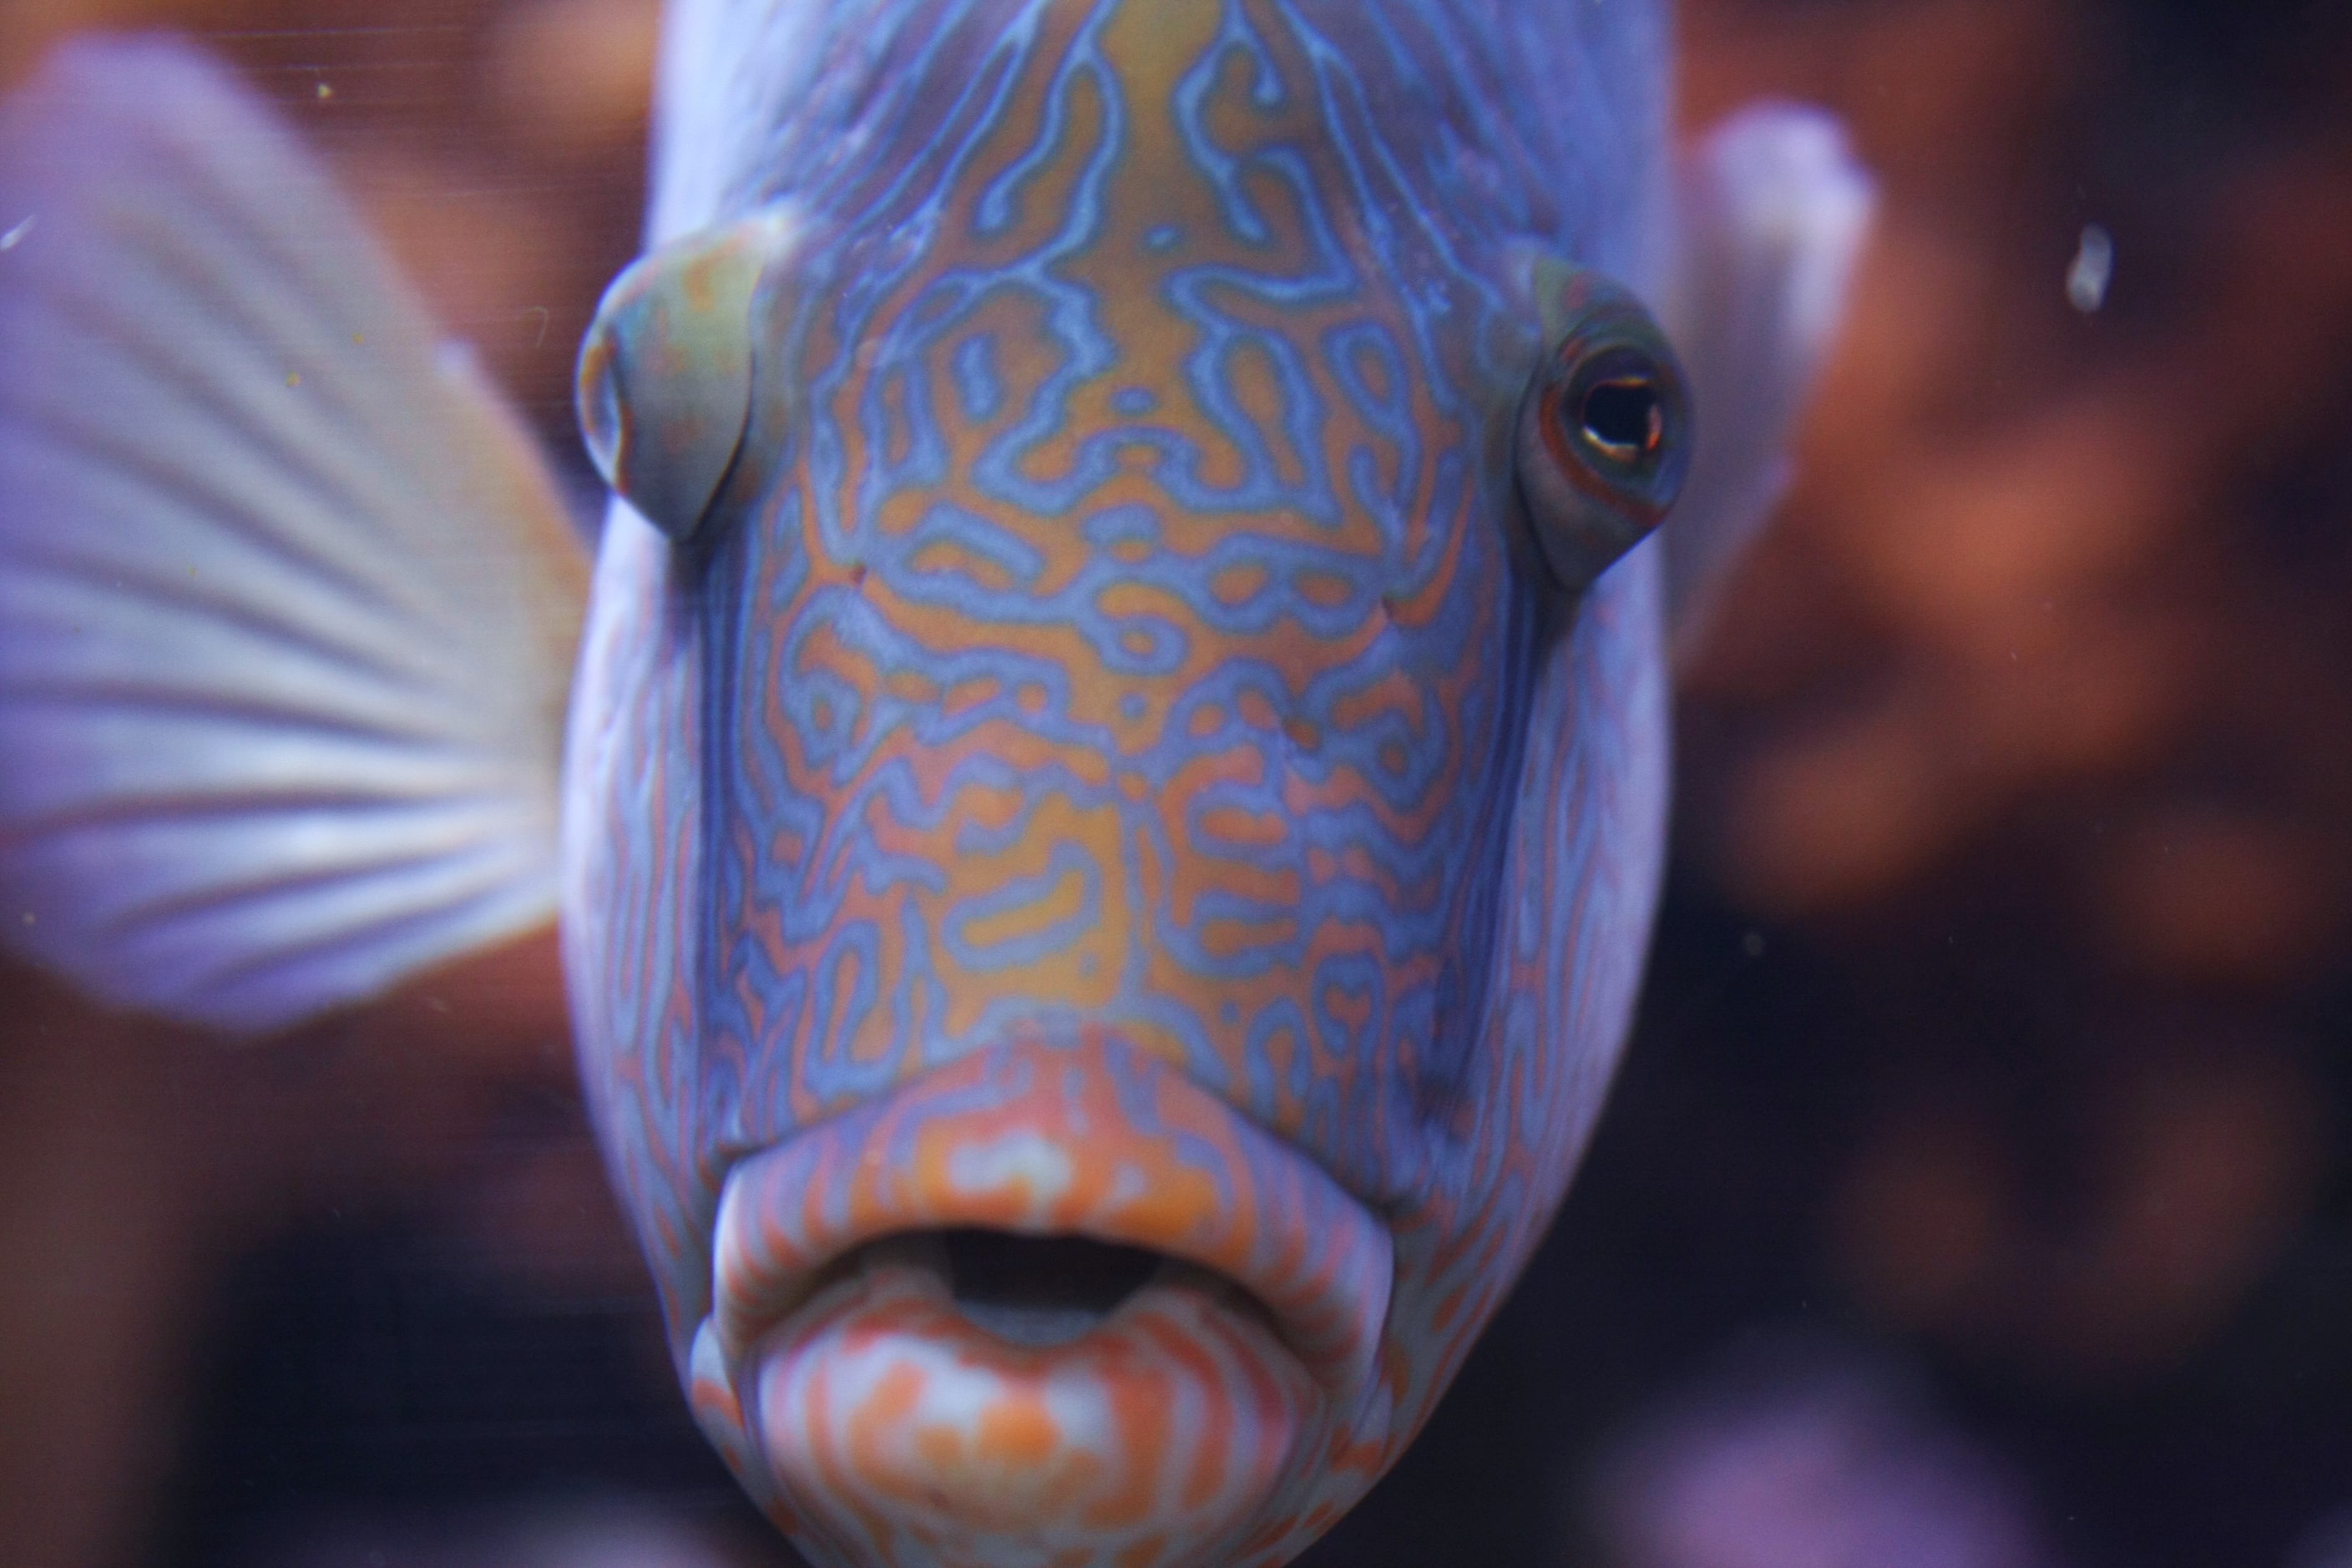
1497 119
1133 642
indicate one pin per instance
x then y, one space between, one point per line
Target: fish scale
1109 706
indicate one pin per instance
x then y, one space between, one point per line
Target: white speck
16 236
1020 1159
2094 268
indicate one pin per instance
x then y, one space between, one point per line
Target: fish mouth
1037 1290
1039 1293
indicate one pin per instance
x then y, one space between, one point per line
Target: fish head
1118 777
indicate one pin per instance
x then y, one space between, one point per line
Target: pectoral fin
1771 214
288 600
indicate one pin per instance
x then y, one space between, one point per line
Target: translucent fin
288 603
1770 213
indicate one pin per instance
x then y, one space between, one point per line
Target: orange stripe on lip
1096 1140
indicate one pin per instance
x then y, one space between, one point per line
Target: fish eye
665 383
1604 432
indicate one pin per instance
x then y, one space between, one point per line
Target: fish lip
1097 1140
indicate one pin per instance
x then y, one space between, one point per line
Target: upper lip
1094 1140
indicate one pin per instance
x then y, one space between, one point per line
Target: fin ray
286 602
200 437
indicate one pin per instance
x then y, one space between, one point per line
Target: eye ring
1605 431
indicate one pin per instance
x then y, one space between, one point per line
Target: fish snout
1059 1296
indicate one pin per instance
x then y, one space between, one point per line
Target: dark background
1974 1191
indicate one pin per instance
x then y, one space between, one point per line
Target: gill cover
665 385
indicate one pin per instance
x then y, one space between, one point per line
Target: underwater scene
1175 784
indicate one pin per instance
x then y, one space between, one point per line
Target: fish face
1108 858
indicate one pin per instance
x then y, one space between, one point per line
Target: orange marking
1224 938
1238 585
1019 1430
1261 829
1325 590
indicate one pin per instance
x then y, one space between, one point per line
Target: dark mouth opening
1037 1291
1041 1291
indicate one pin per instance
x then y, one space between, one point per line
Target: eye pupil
1625 418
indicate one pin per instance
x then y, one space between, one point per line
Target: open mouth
1072 1254
1038 1291
1055 1180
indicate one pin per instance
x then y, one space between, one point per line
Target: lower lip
900 1432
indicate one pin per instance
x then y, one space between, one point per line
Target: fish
1104 778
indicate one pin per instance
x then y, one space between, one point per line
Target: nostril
1041 1291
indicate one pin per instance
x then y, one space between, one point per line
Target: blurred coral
2058 627
1788 1456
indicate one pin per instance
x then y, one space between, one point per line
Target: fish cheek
1574 900
634 929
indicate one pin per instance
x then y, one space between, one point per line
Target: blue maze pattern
1118 633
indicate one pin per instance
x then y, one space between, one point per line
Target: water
1989 1096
